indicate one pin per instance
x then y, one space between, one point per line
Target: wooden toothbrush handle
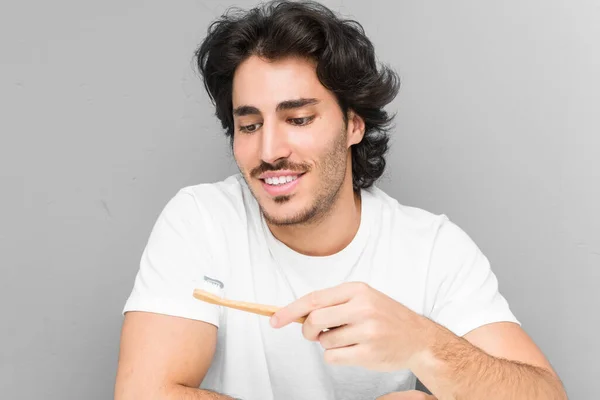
260 309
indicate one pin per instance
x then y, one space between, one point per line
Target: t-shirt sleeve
463 291
173 263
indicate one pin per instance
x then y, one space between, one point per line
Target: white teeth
280 180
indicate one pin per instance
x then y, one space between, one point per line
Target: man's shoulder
419 225
228 198
405 216
231 187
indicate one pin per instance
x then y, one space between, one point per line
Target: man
391 293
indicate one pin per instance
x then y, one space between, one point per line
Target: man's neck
329 234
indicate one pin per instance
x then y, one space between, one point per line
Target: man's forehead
270 83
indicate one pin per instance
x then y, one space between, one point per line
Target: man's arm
163 357
495 361
360 326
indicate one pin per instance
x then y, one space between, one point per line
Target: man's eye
249 128
301 121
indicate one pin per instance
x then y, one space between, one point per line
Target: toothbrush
260 309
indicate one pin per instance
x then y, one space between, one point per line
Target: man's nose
274 144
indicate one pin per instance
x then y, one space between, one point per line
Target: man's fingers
326 318
342 336
315 300
349 355
409 395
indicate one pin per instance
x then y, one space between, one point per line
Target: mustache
283 164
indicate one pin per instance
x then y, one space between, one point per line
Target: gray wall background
103 120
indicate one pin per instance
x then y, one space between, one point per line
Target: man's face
290 140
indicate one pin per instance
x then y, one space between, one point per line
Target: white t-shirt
216 230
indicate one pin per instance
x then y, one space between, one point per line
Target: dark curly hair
346 65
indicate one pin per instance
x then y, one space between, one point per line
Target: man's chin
281 220
281 212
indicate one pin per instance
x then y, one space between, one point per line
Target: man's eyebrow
284 105
245 110
297 103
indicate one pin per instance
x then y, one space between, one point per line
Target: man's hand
410 395
358 325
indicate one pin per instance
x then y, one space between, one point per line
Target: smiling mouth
283 185
281 180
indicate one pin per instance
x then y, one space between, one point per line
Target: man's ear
355 129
